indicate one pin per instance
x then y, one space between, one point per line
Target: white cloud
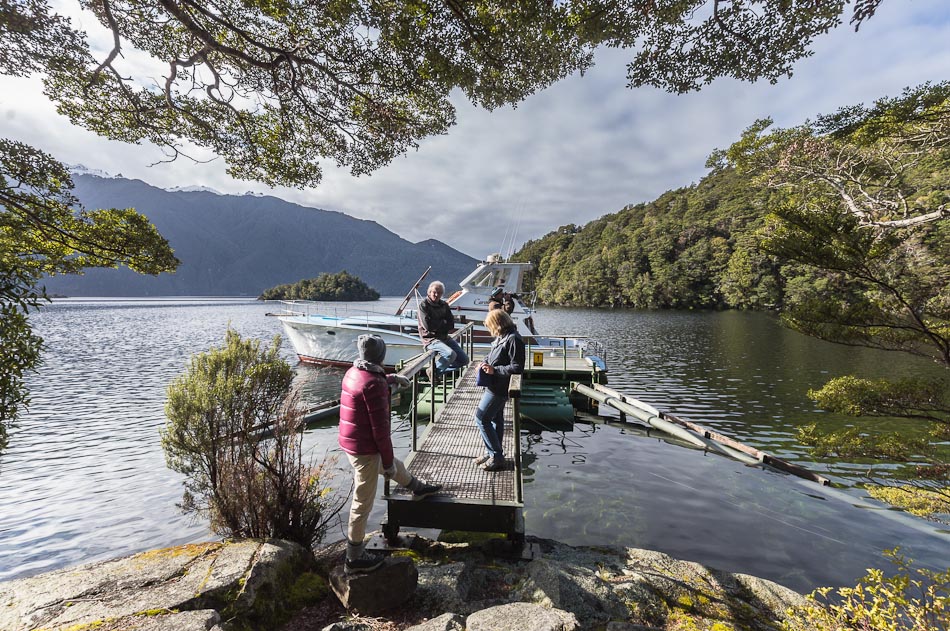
581 149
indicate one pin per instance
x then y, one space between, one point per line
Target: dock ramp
471 498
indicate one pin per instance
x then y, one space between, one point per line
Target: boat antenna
511 232
504 240
411 291
514 232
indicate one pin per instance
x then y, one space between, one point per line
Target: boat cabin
471 302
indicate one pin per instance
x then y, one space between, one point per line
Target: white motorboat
326 339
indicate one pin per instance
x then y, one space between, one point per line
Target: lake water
85 478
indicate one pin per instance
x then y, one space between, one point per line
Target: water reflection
621 486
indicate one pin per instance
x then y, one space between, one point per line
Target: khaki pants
366 472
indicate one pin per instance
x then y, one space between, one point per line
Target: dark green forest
341 286
692 247
841 224
704 246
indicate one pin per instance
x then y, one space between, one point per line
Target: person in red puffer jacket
365 437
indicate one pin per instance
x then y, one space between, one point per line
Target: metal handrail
514 393
417 364
410 369
562 348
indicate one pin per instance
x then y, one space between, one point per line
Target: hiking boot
481 460
366 563
425 490
494 465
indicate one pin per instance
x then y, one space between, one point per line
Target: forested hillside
689 248
702 246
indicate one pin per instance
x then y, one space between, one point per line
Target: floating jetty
559 386
473 499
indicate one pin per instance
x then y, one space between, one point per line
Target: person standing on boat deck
435 324
505 358
365 437
501 299
508 303
495 300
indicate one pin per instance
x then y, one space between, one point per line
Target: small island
335 287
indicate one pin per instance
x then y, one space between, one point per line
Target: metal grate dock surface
449 445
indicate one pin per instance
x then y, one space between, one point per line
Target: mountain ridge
233 245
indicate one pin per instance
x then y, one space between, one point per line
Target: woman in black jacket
506 358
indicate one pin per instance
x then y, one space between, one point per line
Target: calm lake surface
85 477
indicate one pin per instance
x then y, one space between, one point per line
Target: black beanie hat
372 348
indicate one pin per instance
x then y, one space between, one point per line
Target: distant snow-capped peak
208 189
81 169
193 189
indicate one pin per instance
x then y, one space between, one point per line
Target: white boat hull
322 340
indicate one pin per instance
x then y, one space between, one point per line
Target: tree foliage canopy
862 196
43 230
341 286
21 353
275 86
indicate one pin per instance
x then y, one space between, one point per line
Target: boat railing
565 346
307 308
597 348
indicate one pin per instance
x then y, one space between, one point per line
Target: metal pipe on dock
723 444
651 416
719 442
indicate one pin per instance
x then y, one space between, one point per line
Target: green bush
21 354
235 431
913 599
853 442
927 399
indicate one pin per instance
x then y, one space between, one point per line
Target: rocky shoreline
478 586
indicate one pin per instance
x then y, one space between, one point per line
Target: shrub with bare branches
235 430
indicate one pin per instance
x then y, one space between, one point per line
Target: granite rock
378 591
243 578
521 617
445 622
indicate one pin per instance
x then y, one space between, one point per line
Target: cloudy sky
586 147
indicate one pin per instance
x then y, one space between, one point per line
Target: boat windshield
491 276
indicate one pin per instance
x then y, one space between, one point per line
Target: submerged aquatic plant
914 500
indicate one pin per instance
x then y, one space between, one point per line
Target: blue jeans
490 418
449 355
